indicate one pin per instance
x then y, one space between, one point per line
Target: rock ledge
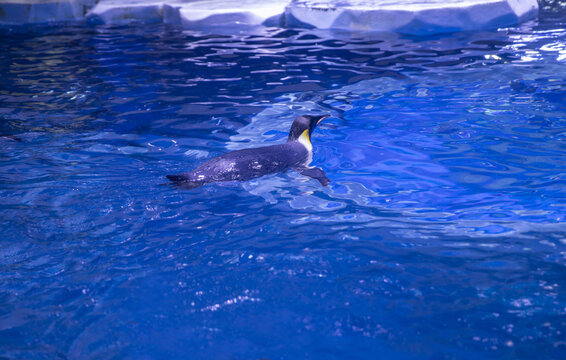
417 17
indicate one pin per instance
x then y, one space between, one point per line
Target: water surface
442 233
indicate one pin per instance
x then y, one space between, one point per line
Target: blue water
441 236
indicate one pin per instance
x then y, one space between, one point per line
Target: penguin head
304 125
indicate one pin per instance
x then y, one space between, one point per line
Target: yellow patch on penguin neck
305 139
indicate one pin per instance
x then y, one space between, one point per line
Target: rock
37 11
230 12
193 14
124 12
417 17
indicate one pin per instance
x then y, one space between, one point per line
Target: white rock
195 13
230 12
36 11
124 12
418 17
405 16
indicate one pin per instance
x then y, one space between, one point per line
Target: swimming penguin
251 163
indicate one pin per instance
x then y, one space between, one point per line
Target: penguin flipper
314 173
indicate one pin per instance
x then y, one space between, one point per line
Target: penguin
246 164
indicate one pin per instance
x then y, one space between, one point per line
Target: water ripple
442 231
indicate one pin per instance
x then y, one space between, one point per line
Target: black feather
180 178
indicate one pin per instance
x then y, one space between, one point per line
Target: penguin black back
251 163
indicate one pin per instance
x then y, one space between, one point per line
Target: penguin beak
322 118
315 120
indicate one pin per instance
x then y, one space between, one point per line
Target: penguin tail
183 181
178 179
